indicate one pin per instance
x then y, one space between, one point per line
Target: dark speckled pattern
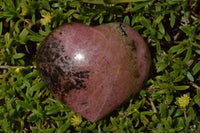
63 73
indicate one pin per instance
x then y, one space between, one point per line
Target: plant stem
111 1
153 106
14 67
195 85
185 114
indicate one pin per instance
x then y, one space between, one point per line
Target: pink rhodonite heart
93 70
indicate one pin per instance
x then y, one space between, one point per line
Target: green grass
171 29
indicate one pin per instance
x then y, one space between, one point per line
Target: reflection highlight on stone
79 57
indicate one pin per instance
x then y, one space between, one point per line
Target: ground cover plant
169 100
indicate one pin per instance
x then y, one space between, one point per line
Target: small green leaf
178 112
158 47
1 28
78 16
167 122
55 5
197 37
163 110
23 34
33 118
36 87
169 98
167 37
101 19
187 29
189 76
155 119
109 128
181 50
92 126
149 113
159 35
145 23
180 122
74 4
33 18
179 78
50 130
139 5
161 28
197 51
161 67
24 105
63 128
138 27
35 38
172 19
8 40
171 110
175 48
18 55
158 19
52 110
196 68
70 12
185 87
188 55
126 20
46 5
197 98
191 113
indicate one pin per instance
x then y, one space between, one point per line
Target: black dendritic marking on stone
83 103
48 53
57 71
130 43
122 29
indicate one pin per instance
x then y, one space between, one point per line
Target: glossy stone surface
93 70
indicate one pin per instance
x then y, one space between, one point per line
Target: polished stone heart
93 70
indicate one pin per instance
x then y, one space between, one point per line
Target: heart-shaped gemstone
93 70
